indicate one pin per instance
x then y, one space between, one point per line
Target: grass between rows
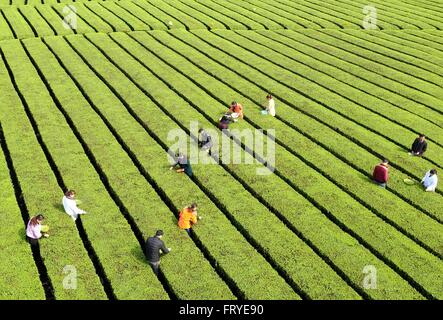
185 114
118 255
241 210
15 283
322 94
232 253
36 19
341 146
195 96
42 194
146 81
314 155
139 198
389 94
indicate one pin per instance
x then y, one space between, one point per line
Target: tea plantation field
90 92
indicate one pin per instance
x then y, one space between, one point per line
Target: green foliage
93 112
20 278
140 199
229 249
41 192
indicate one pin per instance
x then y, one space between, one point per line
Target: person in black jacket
153 247
419 146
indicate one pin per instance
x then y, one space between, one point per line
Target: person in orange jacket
236 108
188 217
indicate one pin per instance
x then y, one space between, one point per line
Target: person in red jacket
381 174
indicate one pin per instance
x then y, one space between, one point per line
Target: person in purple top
35 230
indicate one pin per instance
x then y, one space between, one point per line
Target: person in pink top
35 230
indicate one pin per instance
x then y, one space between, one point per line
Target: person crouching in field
183 164
430 180
236 108
381 174
419 146
35 230
225 121
155 246
204 140
188 217
70 205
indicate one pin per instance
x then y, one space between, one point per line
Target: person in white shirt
70 205
270 107
430 180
